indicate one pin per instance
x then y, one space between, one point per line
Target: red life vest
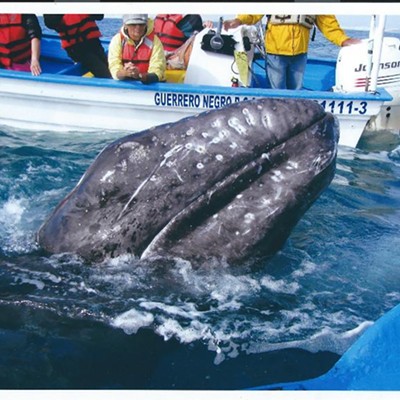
140 56
165 27
15 44
77 28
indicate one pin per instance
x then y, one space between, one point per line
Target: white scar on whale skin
292 165
237 126
178 176
249 117
106 176
167 155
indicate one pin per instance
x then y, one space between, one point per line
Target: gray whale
228 184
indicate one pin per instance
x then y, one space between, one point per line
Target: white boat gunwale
379 95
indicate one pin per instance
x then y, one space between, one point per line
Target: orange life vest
78 28
165 27
140 56
15 45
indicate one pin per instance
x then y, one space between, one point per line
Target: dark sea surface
124 324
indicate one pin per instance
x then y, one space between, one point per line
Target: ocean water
125 324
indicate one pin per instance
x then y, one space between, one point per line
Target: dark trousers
92 56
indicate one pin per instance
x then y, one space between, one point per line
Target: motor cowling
354 64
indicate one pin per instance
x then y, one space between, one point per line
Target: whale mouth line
250 158
224 191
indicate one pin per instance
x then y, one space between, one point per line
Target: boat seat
175 75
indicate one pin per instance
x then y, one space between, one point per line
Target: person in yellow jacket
136 52
286 42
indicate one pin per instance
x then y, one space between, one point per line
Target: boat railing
377 51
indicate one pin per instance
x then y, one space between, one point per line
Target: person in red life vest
136 52
20 36
80 37
177 32
174 29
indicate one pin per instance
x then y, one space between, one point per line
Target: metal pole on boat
377 50
370 46
261 35
372 26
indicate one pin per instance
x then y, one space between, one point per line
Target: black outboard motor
218 43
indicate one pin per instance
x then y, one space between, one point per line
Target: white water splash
131 321
13 233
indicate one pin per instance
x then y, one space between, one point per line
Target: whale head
228 184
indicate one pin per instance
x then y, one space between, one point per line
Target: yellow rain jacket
293 39
157 62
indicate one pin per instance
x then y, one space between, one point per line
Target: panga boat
361 87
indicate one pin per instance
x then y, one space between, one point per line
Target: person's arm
32 26
157 65
330 28
118 70
190 24
115 64
34 32
242 19
97 17
53 21
208 24
351 41
35 64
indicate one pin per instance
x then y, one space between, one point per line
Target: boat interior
319 76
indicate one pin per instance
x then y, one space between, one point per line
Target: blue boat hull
371 363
